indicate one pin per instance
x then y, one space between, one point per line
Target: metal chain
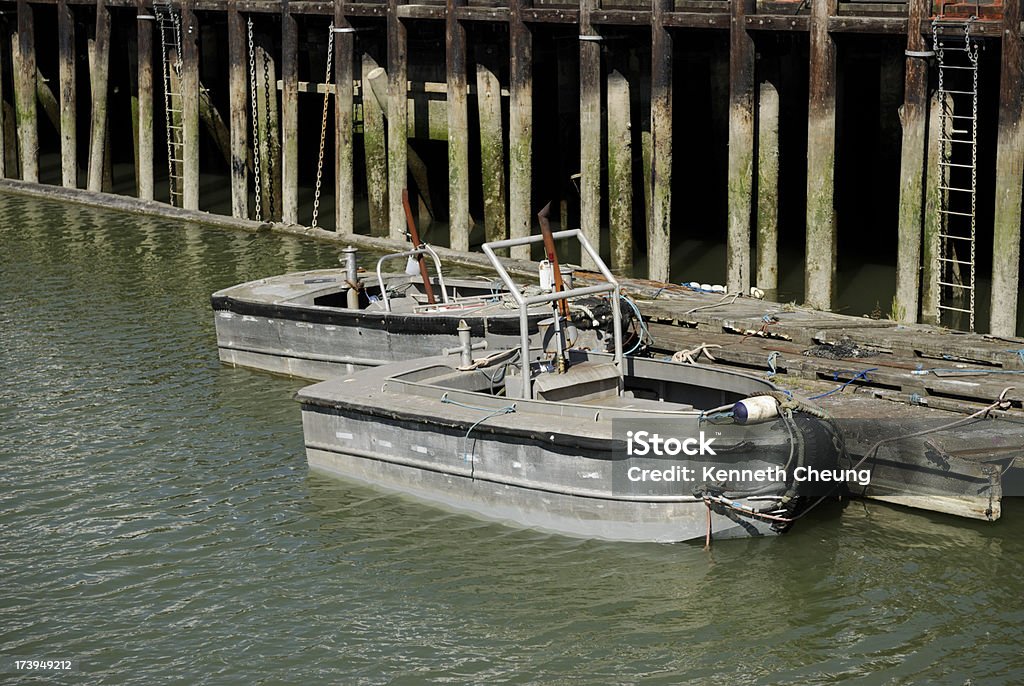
271 94
943 170
255 124
323 123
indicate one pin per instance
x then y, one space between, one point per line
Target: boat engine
596 314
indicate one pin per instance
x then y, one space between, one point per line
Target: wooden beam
659 238
492 142
914 117
144 41
1009 176
590 130
98 75
741 148
189 106
520 130
238 60
289 116
66 76
768 111
459 221
819 277
344 54
398 69
375 150
23 58
620 171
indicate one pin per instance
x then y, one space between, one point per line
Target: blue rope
1020 354
772 370
835 377
507 409
644 333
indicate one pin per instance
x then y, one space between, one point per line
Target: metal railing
424 250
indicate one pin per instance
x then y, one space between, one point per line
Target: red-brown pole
415 236
549 251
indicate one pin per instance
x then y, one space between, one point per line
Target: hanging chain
323 124
255 124
271 94
943 170
972 55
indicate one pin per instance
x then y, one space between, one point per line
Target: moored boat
567 445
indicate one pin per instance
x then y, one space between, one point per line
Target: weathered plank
459 221
344 56
492 143
189 106
659 239
237 63
375 151
620 172
289 116
66 76
590 130
520 129
98 74
768 112
144 157
23 58
398 70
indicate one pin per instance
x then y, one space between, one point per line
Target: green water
158 524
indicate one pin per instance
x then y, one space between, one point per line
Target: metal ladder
169 23
957 57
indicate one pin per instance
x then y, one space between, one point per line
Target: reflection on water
159 523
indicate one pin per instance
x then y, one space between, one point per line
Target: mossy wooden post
268 146
99 63
375 151
3 115
289 116
189 106
590 130
520 128
567 79
620 171
66 76
914 118
932 219
238 61
492 144
741 147
1009 175
819 276
23 58
459 221
344 53
144 41
398 114
768 109
659 241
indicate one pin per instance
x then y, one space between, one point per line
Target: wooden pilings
398 109
1009 175
190 106
99 63
289 116
741 147
23 59
659 242
144 158
492 144
930 269
3 114
620 171
375 151
238 60
268 146
768 111
344 54
590 129
520 129
66 76
819 275
914 118
459 221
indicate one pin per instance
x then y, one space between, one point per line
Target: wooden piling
659 239
520 129
819 282
47 100
590 129
144 157
492 144
23 58
267 122
398 75
3 115
1009 176
620 172
344 53
289 116
99 62
768 109
459 221
375 151
930 269
238 60
66 76
741 147
914 117
190 106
